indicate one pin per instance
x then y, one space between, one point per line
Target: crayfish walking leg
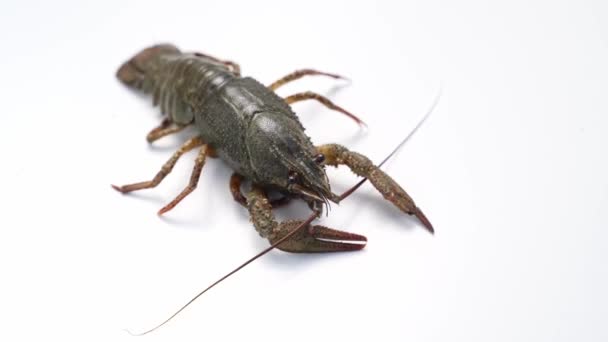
194 177
309 95
164 129
189 145
299 74
164 171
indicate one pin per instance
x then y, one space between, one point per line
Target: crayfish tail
132 72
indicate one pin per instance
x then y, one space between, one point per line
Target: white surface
511 169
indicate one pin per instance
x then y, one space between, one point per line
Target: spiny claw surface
396 195
317 239
361 165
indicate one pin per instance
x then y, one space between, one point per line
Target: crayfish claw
317 239
425 221
361 165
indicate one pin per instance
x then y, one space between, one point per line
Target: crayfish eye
293 177
319 158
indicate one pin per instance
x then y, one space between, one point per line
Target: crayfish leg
299 74
194 178
165 169
309 95
164 129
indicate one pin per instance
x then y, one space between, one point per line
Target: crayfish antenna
417 212
278 242
418 125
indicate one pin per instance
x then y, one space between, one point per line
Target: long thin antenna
428 113
295 230
281 240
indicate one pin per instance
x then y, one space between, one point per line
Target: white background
510 168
